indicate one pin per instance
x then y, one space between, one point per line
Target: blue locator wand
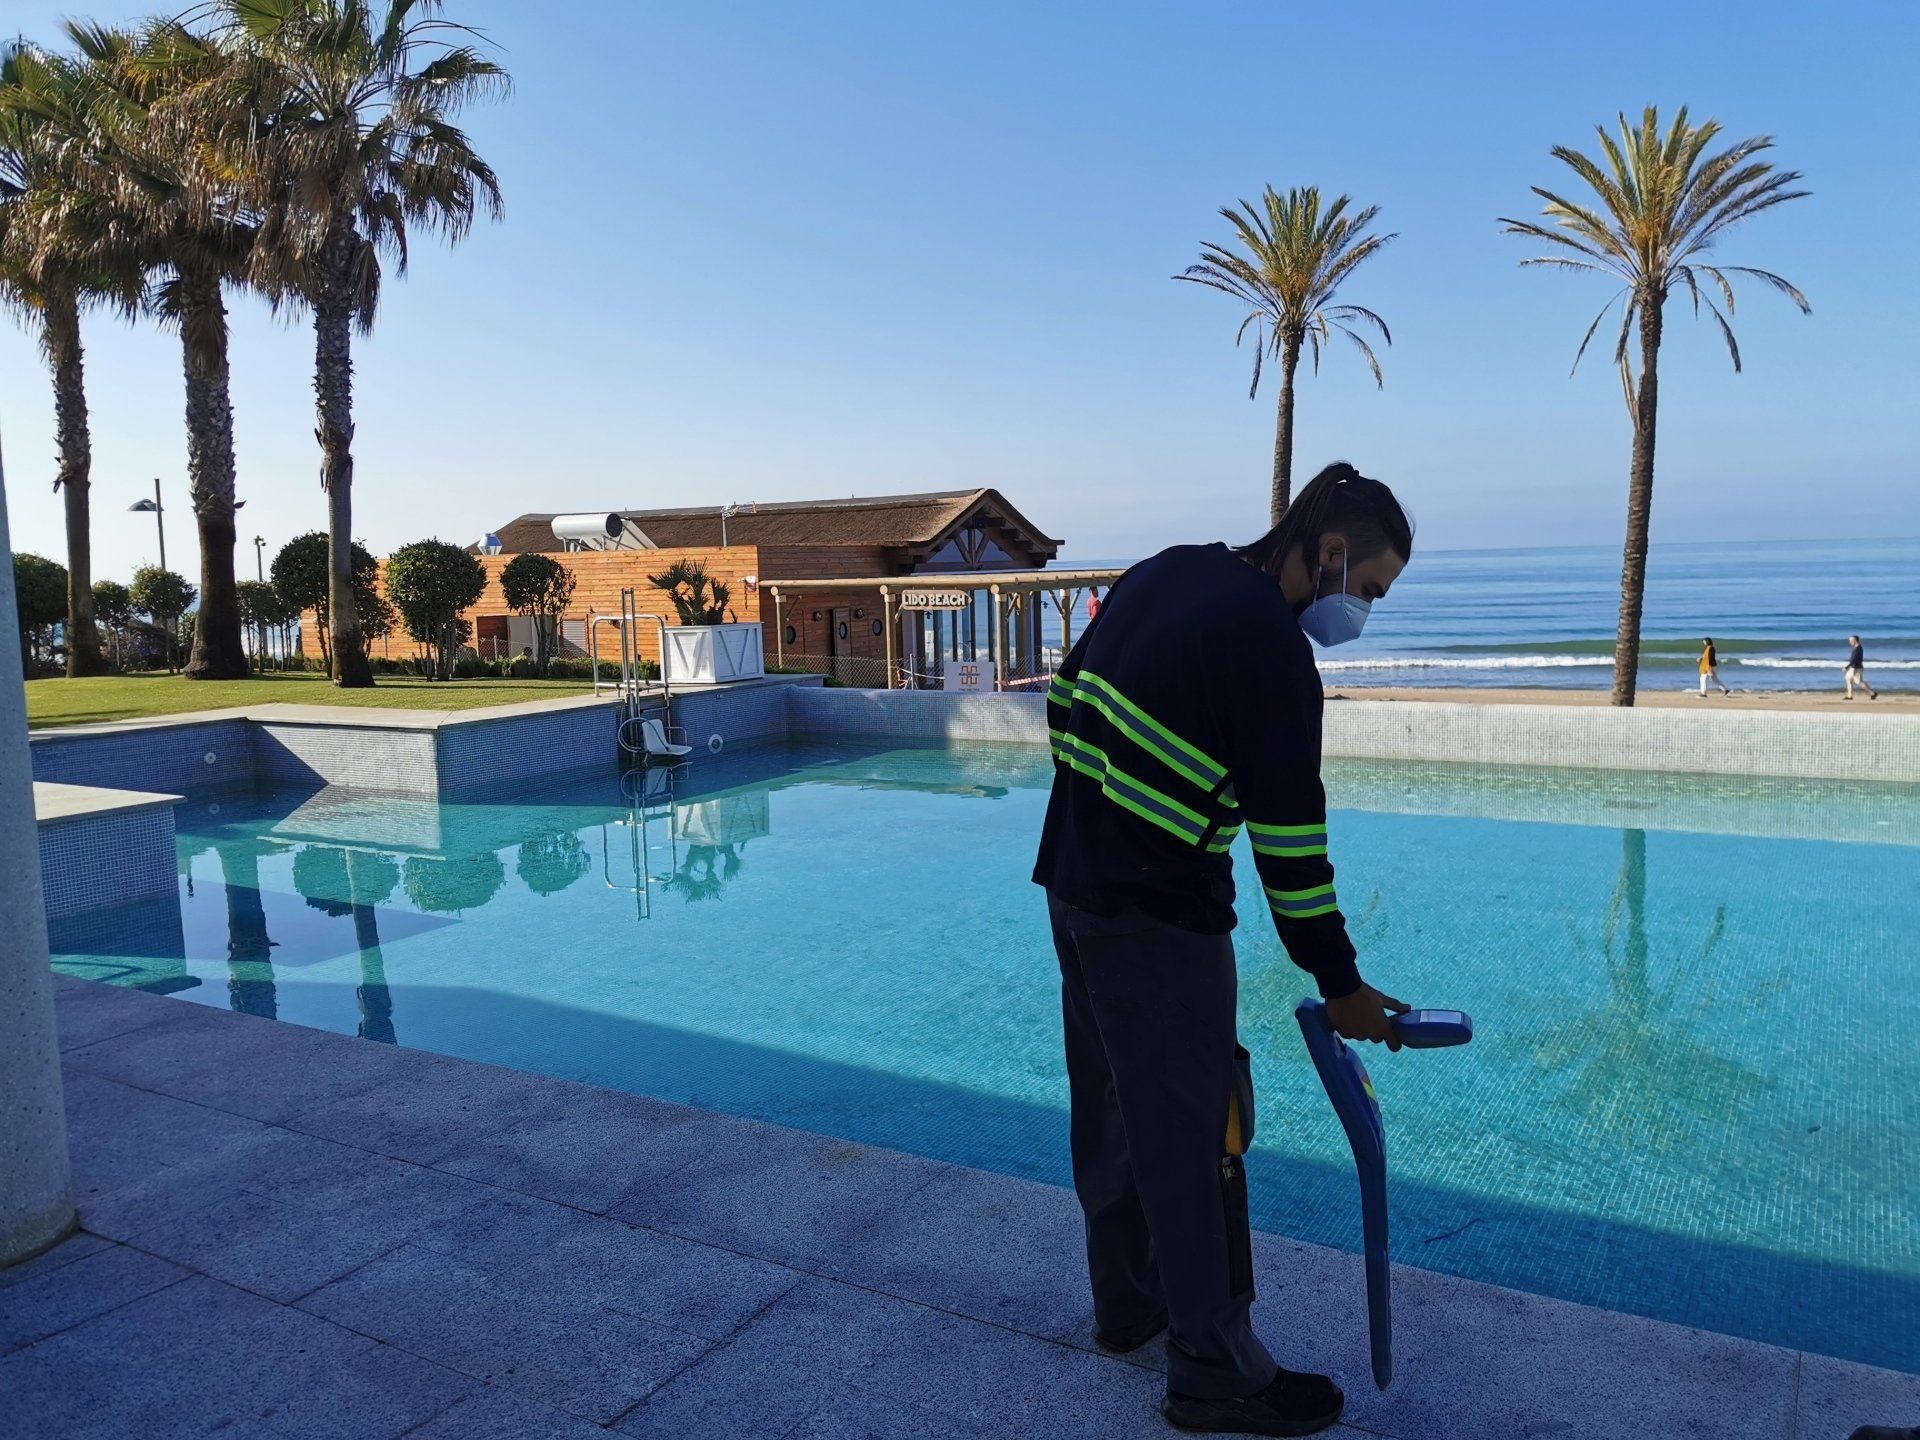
1351 1092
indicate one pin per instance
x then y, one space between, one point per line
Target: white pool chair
657 740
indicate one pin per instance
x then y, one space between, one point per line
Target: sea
1779 613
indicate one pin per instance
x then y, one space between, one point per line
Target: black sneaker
1293 1404
1125 1342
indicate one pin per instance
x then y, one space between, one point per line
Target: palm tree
1663 204
168 140
1295 257
54 263
359 147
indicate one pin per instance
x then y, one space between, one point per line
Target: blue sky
760 251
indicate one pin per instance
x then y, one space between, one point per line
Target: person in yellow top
1710 668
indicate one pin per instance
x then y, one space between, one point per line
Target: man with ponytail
1190 710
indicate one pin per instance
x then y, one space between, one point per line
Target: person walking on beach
1188 710
1710 668
1857 669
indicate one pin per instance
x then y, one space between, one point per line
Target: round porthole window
843 628
877 627
792 634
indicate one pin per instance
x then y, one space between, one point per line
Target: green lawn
120 697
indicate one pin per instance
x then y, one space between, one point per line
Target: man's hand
1363 1015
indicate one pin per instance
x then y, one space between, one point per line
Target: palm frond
1663 199
1289 255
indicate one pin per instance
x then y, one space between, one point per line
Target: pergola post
36 1202
997 641
886 624
779 629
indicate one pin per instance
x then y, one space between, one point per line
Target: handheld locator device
1351 1091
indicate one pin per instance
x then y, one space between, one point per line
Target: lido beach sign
934 600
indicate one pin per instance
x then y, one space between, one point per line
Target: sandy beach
1901 702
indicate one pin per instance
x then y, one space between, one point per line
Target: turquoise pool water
1695 1091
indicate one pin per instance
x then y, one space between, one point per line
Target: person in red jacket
1188 712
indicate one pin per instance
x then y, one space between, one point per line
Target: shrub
695 599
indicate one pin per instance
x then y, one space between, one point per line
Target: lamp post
725 511
259 564
152 506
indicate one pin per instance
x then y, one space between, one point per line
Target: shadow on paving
1863 1315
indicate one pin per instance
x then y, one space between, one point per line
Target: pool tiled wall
1805 744
919 714
94 862
755 712
191 758
485 755
1800 744
457 756
360 757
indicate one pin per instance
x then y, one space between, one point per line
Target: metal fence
871 672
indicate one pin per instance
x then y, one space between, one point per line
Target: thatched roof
911 522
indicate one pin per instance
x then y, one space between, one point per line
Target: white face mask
1335 619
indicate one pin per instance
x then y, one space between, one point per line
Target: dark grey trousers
1149 1013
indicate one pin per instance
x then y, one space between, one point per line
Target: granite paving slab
90 1012
542 1342
988 1246
1837 1397
428 1110
264 1069
200 1357
783 1195
532 1243
587 1148
451 1250
54 1300
76 1246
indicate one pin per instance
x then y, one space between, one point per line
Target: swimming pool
1694 1092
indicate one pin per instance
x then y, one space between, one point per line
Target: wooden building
811 572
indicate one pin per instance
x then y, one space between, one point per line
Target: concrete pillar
36 1190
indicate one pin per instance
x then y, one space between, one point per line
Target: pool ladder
635 691
650 802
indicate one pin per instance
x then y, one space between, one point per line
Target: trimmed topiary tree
299 573
430 582
40 597
541 587
165 597
113 614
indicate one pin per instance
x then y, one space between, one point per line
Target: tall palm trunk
62 327
1633 567
250 983
218 652
376 1000
333 392
1283 429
